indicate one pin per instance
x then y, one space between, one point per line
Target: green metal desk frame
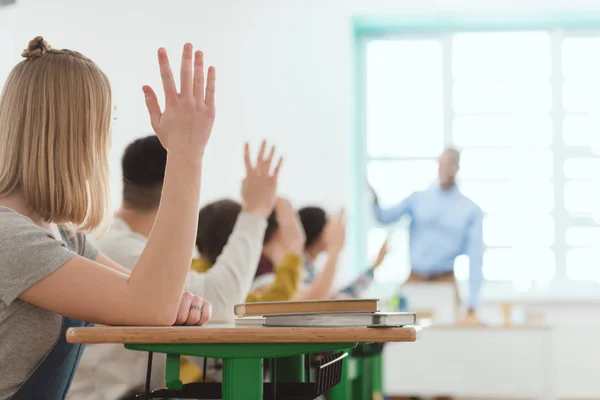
243 364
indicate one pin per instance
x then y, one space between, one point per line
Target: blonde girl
55 114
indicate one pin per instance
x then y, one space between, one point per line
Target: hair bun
36 48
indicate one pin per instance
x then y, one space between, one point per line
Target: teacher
444 224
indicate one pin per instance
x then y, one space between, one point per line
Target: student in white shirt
110 371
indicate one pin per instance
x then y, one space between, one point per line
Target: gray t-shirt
28 253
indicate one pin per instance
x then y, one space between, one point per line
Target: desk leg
378 377
172 372
341 391
243 379
290 369
362 385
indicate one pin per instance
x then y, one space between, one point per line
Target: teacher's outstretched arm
392 214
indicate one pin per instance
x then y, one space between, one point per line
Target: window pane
583 236
514 230
396 266
502 97
404 98
582 168
395 180
583 264
519 264
581 130
396 134
502 131
581 95
581 57
518 164
504 197
582 196
501 55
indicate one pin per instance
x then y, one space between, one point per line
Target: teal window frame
364 27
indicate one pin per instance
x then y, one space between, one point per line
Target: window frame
560 26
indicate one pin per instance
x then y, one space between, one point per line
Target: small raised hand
259 187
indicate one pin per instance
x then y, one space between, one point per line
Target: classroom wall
284 72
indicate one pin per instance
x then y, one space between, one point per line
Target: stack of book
326 313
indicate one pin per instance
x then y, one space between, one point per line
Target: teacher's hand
374 194
193 310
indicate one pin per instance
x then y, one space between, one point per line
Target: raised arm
321 287
152 294
229 280
392 214
474 249
360 285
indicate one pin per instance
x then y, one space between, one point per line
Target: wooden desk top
238 334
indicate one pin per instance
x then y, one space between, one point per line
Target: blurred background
356 92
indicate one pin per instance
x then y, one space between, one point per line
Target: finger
167 76
199 76
277 168
210 88
184 308
261 152
186 71
152 105
267 163
195 311
247 160
206 313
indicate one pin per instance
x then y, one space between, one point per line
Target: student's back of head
55 116
314 221
143 166
215 224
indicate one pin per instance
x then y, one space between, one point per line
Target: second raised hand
259 187
186 123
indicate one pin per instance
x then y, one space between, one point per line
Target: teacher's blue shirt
444 225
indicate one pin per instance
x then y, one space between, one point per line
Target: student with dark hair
216 226
320 233
143 174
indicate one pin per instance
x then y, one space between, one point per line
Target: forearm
389 215
359 285
104 260
321 288
160 273
229 280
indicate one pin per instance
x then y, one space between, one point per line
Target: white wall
284 72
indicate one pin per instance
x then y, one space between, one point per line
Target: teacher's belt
439 277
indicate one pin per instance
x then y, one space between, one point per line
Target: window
524 107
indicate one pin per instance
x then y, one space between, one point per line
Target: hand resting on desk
193 310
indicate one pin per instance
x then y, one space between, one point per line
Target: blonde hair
55 116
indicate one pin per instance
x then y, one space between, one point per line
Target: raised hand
193 310
335 233
291 230
373 194
185 124
383 251
260 185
